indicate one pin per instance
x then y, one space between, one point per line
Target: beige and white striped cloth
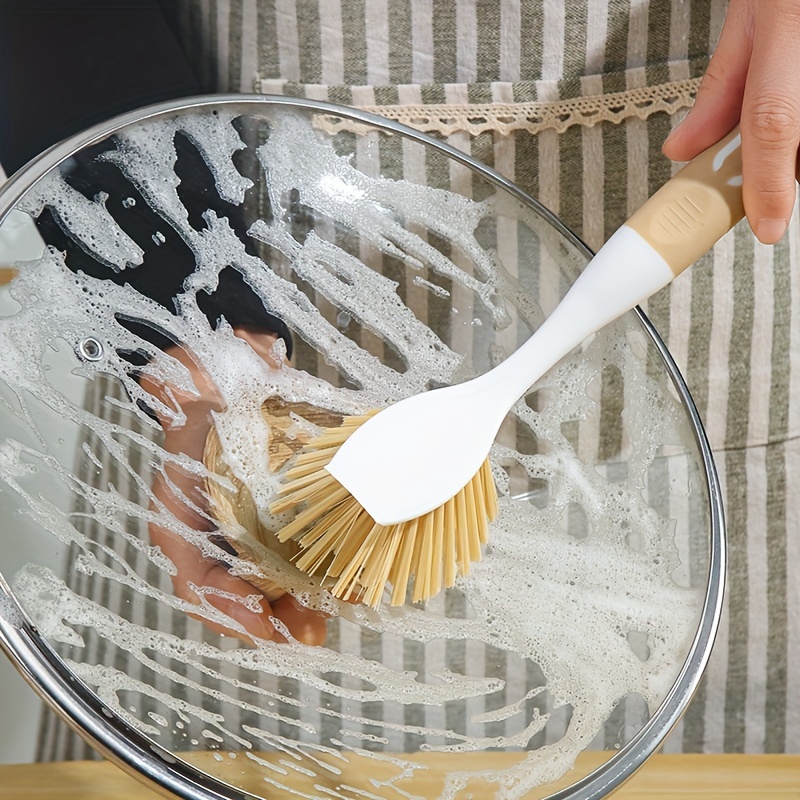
572 99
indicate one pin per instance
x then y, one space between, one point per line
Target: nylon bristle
339 540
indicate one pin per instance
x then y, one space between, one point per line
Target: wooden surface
664 777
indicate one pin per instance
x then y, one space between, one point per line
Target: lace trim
446 118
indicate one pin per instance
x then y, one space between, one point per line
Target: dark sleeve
68 64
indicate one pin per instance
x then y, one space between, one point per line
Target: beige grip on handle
690 212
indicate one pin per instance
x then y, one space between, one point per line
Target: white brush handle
417 454
677 225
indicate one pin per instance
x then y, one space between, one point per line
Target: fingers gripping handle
676 226
686 216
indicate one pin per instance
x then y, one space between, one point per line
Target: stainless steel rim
50 677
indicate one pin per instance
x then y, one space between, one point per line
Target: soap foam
571 605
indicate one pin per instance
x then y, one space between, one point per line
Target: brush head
339 538
415 455
233 505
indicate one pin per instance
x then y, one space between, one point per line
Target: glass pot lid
205 286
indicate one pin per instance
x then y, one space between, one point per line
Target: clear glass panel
167 272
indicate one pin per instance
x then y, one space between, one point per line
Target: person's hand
753 79
227 592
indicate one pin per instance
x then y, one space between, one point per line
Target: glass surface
159 262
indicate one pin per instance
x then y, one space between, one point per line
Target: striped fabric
734 336
56 740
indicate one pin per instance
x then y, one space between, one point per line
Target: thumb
771 120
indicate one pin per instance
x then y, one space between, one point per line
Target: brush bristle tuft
340 540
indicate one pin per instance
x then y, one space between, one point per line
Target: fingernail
770 231
671 135
675 130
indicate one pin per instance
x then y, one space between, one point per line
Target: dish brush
408 491
233 506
